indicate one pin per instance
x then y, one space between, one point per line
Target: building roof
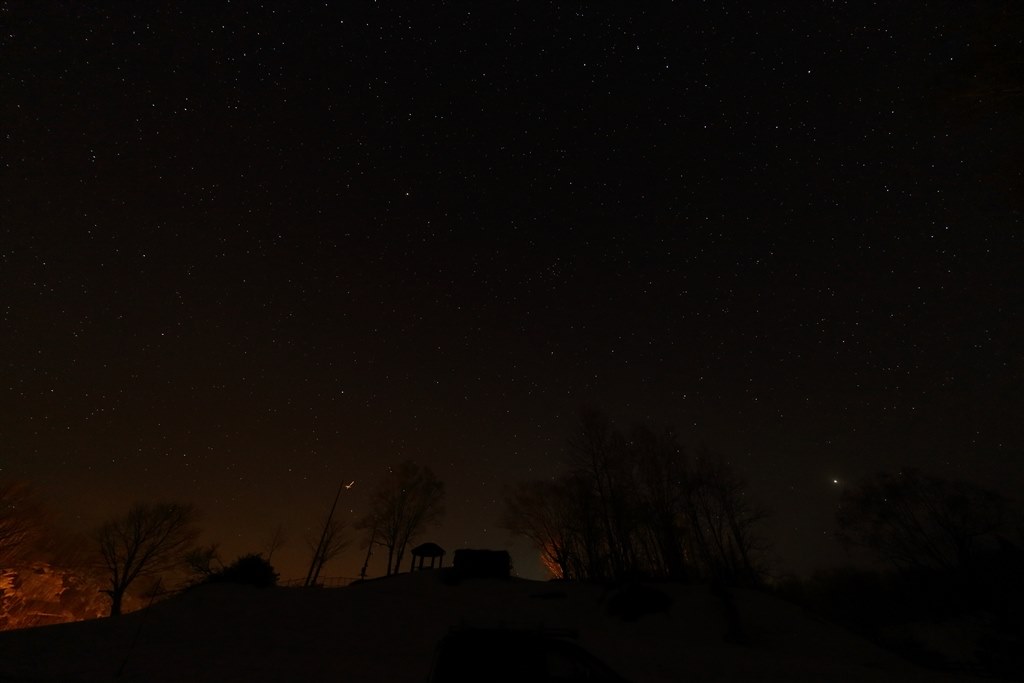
428 550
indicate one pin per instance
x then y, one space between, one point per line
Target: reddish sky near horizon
247 253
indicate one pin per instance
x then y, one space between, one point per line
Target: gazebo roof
428 550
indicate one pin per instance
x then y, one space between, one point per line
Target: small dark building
482 564
422 552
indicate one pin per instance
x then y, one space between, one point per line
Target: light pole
314 566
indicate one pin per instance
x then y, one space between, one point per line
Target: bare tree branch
148 540
406 502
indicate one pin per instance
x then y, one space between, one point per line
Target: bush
248 570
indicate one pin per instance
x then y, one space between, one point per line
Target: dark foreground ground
387 630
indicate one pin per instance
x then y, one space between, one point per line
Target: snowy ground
386 630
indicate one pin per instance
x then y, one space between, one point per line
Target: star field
250 250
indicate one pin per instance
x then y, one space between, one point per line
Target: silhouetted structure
422 552
482 564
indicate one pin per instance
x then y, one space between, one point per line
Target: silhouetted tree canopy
915 521
637 504
204 561
544 512
405 503
149 539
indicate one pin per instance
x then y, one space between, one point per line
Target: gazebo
423 551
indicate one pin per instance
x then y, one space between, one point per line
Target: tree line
636 503
153 540
947 553
628 504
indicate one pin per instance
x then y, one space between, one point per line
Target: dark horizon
248 253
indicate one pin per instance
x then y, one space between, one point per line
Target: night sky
250 250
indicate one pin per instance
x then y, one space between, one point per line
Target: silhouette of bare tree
149 539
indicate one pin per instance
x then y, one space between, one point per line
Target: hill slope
386 630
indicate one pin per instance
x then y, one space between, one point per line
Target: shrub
248 570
